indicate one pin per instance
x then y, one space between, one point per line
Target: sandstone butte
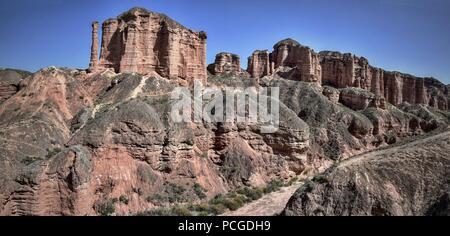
145 42
99 142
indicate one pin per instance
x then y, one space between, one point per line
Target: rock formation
93 65
226 64
10 82
291 59
346 70
355 98
378 102
331 93
260 64
305 62
145 42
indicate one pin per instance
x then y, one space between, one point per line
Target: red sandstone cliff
146 42
347 70
293 61
289 58
260 64
226 64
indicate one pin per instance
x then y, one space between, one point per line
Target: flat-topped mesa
290 53
226 64
146 42
260 64
346 70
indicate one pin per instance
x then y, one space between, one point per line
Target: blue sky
411 36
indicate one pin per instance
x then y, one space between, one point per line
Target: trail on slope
269 205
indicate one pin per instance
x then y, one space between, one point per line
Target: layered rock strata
260 64
293 60
388 182
226 64
346 70
146 42
10 82
304 61
93 65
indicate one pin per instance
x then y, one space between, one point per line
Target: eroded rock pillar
93 65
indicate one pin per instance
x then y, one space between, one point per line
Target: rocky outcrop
331 93
374 184
303 60
226 64
289 59
10 82
260 64
146 42
378 102
356 99
346 70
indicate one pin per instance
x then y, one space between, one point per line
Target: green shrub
251 193
175 193
292 181
106 208
162 211
199 191
307 187
217 209
124 199
181 211
157 198
321 179
52 152
273 186
167 211
233 203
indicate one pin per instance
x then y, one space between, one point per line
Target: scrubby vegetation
220 203
106 208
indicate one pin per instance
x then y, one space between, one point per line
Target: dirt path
269 205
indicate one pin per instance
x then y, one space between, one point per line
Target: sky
411 36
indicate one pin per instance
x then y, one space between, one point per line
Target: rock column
93 65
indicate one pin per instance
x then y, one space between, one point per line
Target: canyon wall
289 53
291 60
346 70
145 42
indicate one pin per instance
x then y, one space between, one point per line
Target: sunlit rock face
346 70
226 64
289 53
146 42
260 64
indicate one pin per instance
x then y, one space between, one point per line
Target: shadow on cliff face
441 207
